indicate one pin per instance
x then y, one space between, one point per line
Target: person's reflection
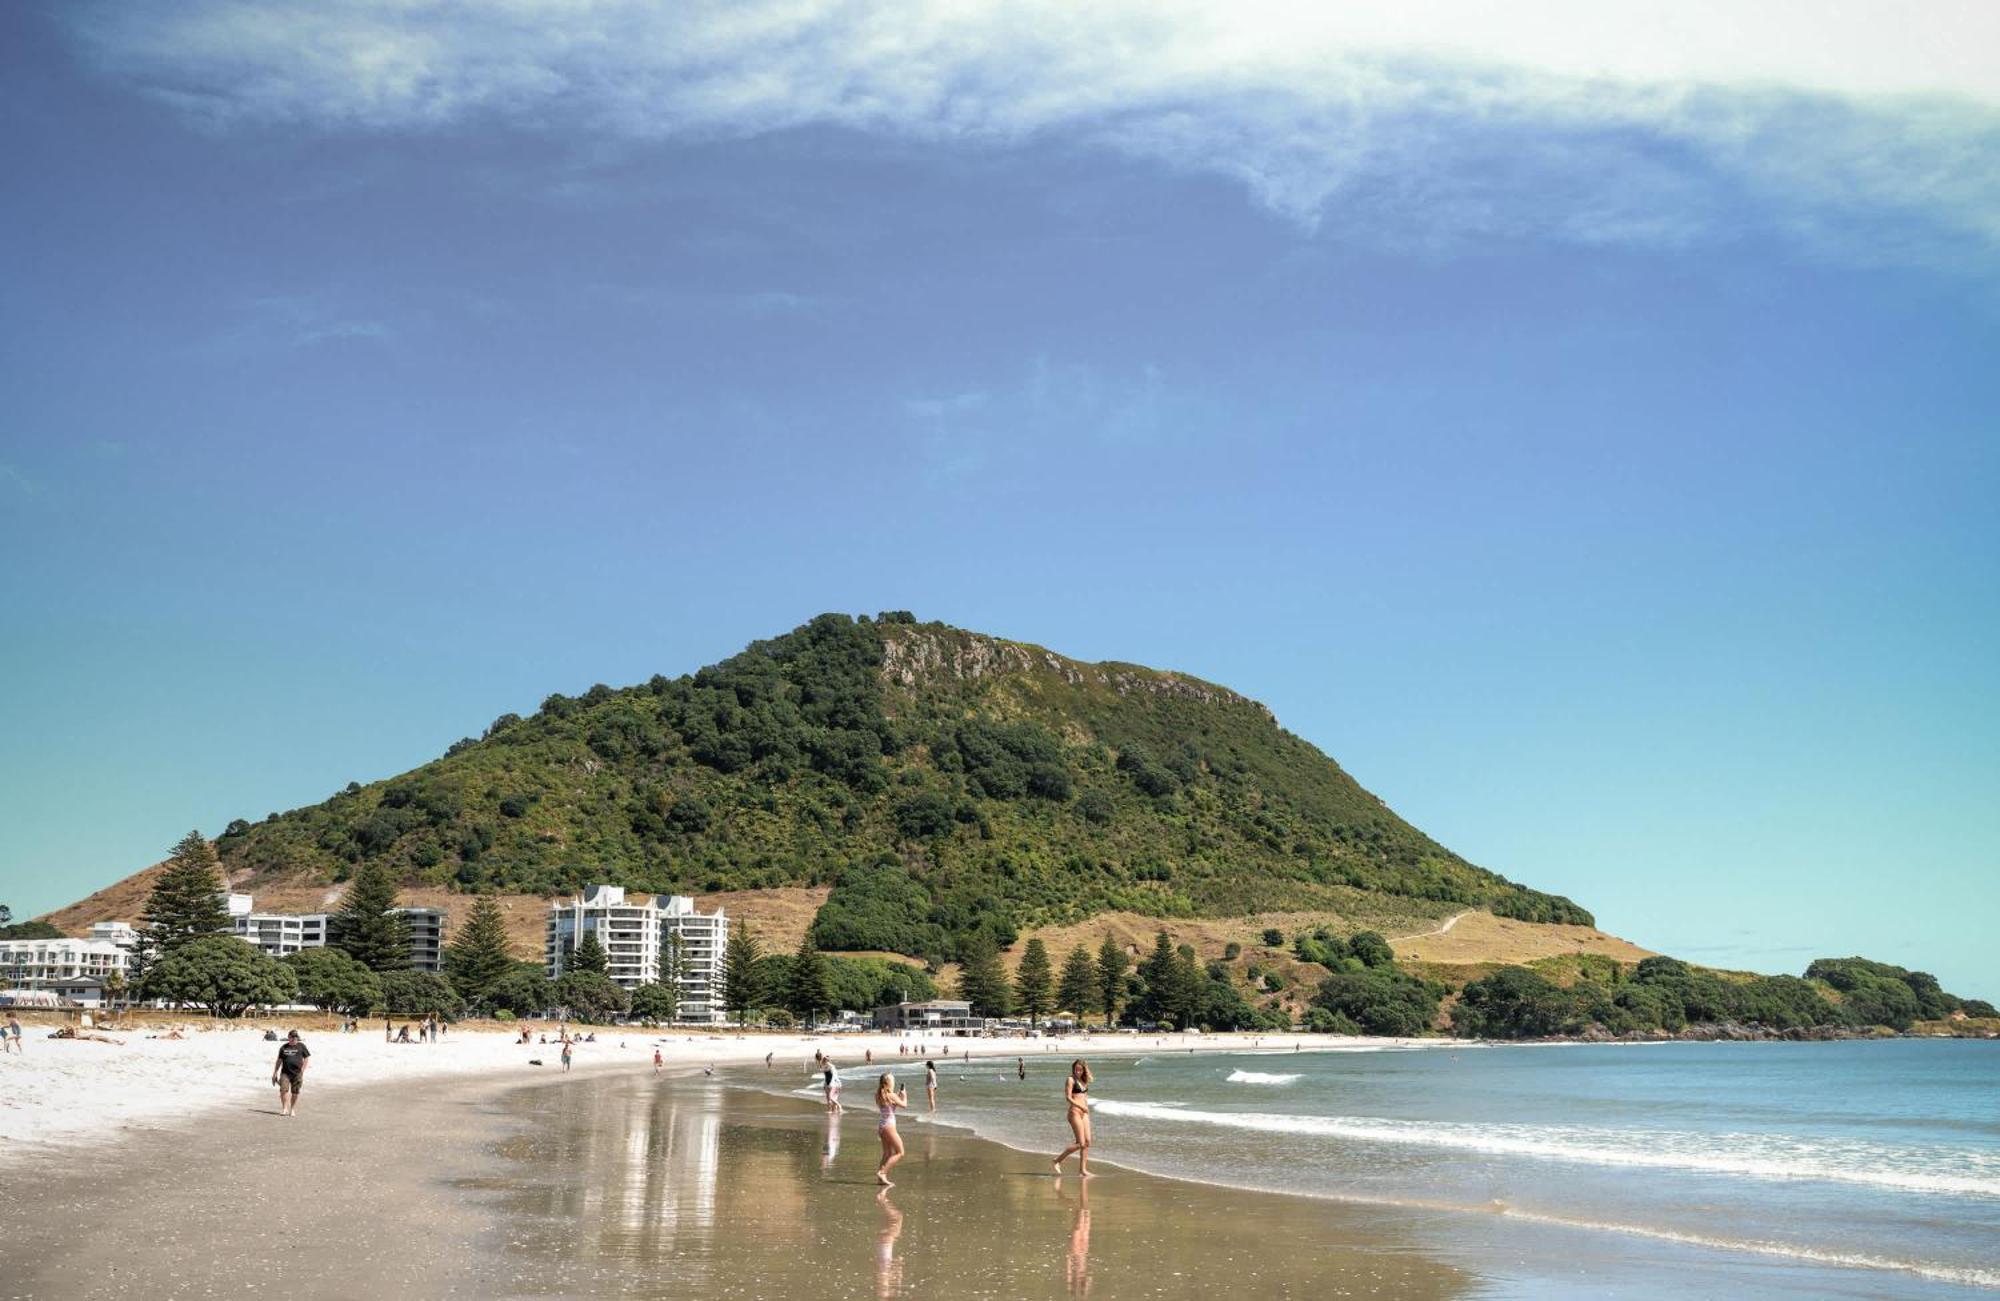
832 1148
888 1270
1076 1269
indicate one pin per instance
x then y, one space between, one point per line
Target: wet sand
643 1186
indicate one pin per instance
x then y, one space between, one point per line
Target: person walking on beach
930 1084
1076 1088
887 1099
767 1060
830 1081
565 1054
1020 1068
289 1072
659 1062
10 1035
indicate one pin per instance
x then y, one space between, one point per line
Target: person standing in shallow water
289 1072
930 1084
887 1099
1076 1090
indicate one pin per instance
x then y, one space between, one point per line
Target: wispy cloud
1046 407
1629 123
285 321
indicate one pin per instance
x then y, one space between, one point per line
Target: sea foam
1758 1156
1258 1077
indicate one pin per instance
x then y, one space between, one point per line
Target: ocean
1682 1169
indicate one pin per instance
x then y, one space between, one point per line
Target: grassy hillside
940 781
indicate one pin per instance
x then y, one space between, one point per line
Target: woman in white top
887 1099
930 1084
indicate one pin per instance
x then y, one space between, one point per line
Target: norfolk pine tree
1111 965
477 956
365 929
1034 981
741 989
1078 991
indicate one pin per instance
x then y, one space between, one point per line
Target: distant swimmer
887 1099
1076 1101
708 1069
288 1072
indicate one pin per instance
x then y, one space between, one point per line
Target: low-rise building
646 939
944 1015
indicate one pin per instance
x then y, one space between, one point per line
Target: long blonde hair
885 1088
1086 1070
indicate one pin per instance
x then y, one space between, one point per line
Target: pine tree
477 956
1189 983
808 987
1033 982
741 988
1078 991
589 955
1111 965
1159 972
364 928
186 903
982 981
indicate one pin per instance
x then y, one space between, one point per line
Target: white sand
63 1092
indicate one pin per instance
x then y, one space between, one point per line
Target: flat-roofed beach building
640 935
944 1015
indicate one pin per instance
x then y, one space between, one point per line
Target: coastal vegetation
952 789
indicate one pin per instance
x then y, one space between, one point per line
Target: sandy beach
630 1185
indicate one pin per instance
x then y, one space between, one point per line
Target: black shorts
291 1081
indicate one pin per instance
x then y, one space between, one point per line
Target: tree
982 981
364 928
477 956
420 993
31 930
1159 974
741 988
1077 991
588 955
223 974
186 903
1381 1000
658 1000
674 969
808 991
1034 981
590 996
1112 962
1371 948
334 982
522 990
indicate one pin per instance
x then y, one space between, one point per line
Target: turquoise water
1866 1169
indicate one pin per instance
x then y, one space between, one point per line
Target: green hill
941 781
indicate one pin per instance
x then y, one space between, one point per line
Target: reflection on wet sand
645 1188
1076 1270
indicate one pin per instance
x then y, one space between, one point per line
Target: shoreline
63 1094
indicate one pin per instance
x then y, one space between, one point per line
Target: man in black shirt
289 1073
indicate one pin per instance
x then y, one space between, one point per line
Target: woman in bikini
1076 1088
887 1099
930 1084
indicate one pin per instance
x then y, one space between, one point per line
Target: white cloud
1630 112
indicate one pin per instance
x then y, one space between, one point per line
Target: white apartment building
426 937
640 936
279 934
76 969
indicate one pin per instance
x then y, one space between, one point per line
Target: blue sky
1587 435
